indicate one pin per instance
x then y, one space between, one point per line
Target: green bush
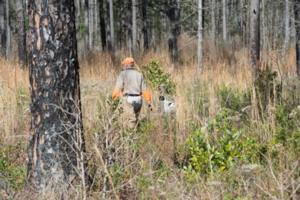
219 146
287 131
157 77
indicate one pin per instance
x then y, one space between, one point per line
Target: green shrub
287 131
157 77
220 146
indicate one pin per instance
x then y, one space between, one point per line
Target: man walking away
130 86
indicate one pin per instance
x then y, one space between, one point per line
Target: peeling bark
56 123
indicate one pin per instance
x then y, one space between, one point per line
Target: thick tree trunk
200 35
286 26
255 33
57 144
297 27
22 50
224 6
2 29
173 13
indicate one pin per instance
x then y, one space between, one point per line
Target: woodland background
232 137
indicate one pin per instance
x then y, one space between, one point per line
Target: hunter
131 87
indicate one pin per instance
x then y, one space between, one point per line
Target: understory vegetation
230 138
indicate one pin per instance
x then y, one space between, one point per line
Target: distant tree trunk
8 32
86 24
134 28
213 20
102 24
255 33
22 50
297 27
173 13
224 6
91 23
263 24
2 28
286 26
110 26
57 144
200 35
145 24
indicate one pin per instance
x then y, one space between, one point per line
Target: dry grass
97 80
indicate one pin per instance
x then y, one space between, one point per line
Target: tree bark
297 27
200 35
91 24
2 28
134 28
8 32
213 20
145 24
173 13
57 144
224 21
22 50
110 26
286 26
102 24
255 33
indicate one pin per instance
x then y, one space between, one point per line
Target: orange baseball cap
128 61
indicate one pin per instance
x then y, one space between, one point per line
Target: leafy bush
156 77
220 146
287 130
233 98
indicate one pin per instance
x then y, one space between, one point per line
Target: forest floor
226 140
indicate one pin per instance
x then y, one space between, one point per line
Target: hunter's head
128 63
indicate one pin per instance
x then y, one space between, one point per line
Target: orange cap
128 61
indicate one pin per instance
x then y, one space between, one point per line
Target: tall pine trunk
102 22
110 38
173 13
213 20
224 8
297 27
22 50
200 35
57 144
286 26
145 29
2 29
8 31
255 33
134 28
